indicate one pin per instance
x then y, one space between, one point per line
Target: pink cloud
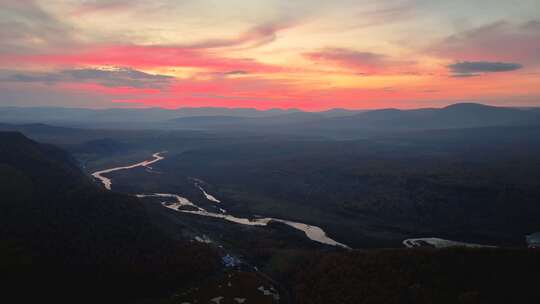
136 56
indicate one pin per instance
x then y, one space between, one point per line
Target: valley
267 213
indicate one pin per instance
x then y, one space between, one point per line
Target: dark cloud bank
118 77
476 68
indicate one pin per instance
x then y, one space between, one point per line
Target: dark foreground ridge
64 238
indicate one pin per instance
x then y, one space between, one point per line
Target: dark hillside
453 276
63 237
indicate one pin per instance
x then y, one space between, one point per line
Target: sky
307 54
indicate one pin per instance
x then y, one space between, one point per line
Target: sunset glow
306 54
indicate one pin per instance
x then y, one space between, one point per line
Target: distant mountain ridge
465 115
461 115
56 114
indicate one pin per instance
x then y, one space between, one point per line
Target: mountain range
331 122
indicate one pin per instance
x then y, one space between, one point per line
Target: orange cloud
359 62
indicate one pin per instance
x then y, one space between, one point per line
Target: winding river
440 243
107 182
182 204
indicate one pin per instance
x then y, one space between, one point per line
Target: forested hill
448 276
63 237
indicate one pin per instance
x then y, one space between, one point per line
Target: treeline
418 276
